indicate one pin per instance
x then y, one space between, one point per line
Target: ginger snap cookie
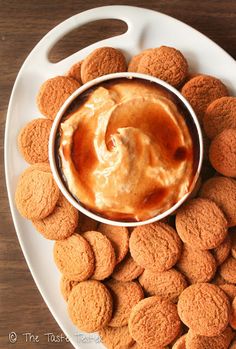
229 290
36 194
154 321
222 153
102 61
74 258
220 115
127 270
53 93
201 223
125 296
165 63
66 287
196 265
75 71
90 306
206 302
119 237
221 341
228 270
222 252
104 254
61 223
155 247
202 90
33 140
167 284
135 60
180 343
222 191
116 337
86 223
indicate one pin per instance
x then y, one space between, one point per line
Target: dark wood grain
22 25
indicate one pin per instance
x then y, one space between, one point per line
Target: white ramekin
53 135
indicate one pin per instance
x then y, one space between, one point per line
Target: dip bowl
53 153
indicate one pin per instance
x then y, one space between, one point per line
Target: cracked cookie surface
104 254
196 265
74 257
36 193
119 237
53 93
201 223
125 296
204 308
155 247
154 321
61 223
33 140
90 306
167 284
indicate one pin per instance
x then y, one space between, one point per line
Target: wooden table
23 24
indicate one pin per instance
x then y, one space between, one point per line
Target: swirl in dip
126 151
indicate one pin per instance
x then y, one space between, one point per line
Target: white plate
146 29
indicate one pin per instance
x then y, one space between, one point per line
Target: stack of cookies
170 284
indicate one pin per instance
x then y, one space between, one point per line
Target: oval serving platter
146 29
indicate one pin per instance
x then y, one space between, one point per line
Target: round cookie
36 194
222 252
202 90
75 71
86 223
125 296
167 284
119 237
102 61
222 341
233 240
74 258
222 153
200 223
196 265
228 270
206 302
127 270
33 140
66 287
116 338
165 63
135 60
229 290
155 247
104 254
222 191
90 306
53 93
220 115
154 321
61 223
180 343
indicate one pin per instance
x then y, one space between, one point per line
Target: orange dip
126 151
